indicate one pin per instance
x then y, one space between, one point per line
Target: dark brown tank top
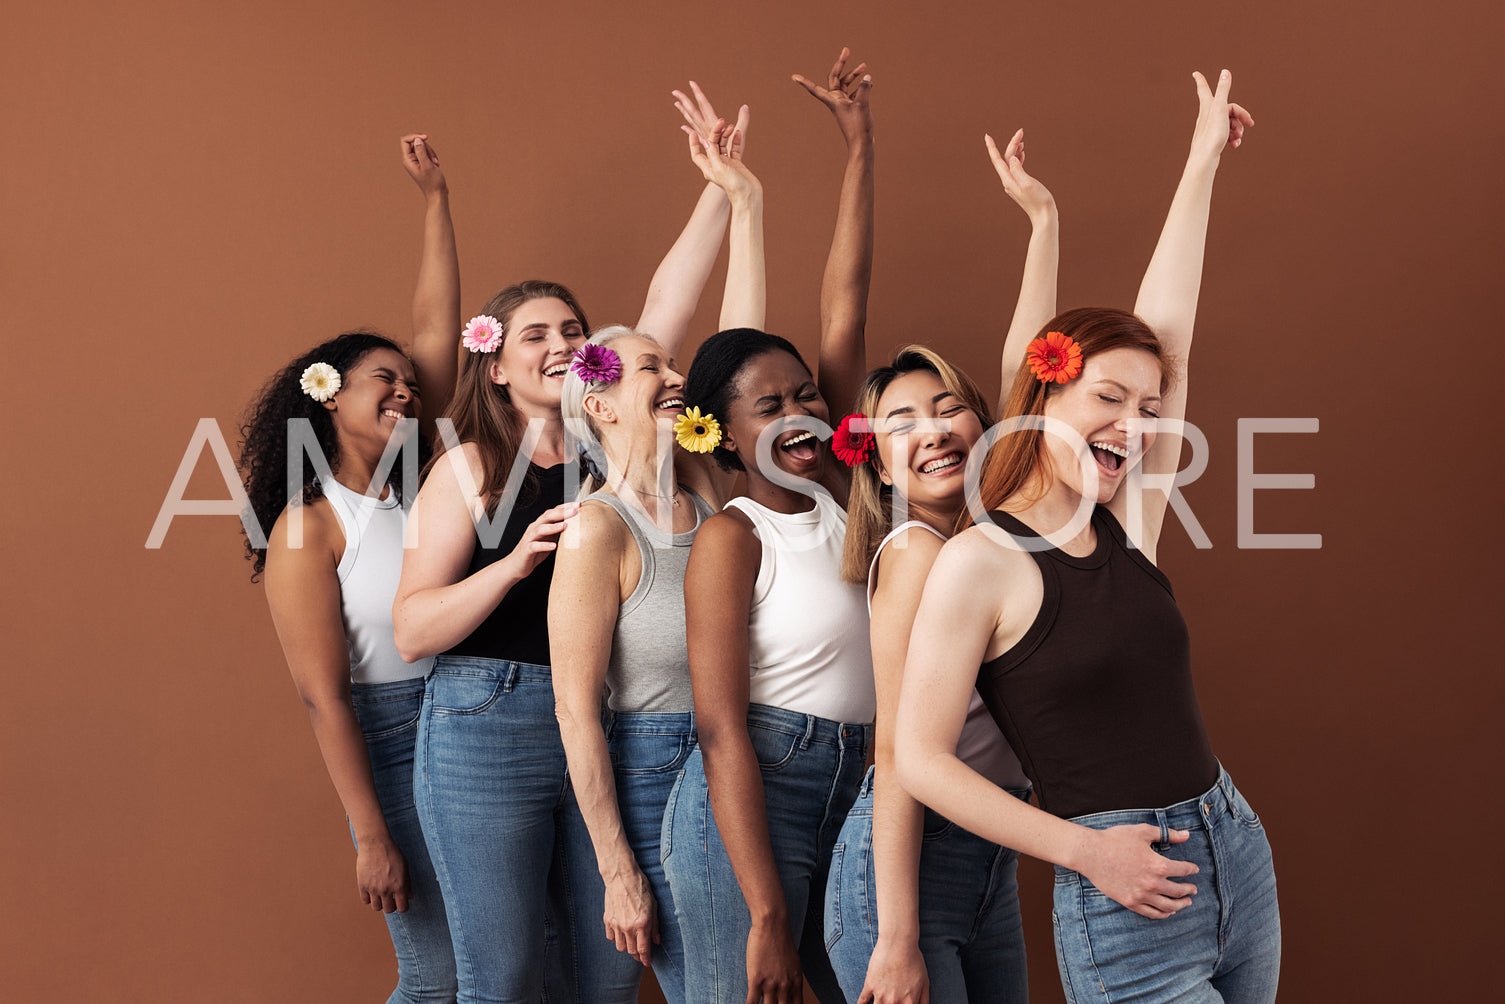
1097 697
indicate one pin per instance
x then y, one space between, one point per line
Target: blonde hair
870 505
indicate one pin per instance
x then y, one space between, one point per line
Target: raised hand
719 157
422 163
1034 198
1220 123
702 118
1126 868
846 94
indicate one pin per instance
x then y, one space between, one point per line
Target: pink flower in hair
482 334
597 364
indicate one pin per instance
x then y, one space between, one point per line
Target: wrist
748 200
1044 218
372 835
769 918
898 937
1082 850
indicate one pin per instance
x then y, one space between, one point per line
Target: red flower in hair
853 440
1054 358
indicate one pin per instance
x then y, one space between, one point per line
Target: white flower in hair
320 381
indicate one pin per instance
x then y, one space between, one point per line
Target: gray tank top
649 669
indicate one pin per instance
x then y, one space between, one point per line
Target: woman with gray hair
616 604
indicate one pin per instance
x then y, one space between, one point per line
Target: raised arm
718 599
303 592
963 606
719 157
1037 291
584 600
1168 293
681 277
436 298
437 604
849 264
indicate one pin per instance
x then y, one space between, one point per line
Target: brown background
194 195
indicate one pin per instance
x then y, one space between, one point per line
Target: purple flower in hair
597 364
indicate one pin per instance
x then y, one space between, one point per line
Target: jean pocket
834 882
666 830
463 694
648 752
1239 806
773 748
937 826
378 730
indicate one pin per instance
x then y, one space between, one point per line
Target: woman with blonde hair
1084 656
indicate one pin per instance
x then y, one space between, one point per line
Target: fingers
834 78
815 90
640 947
1204 93
1225 81
1177 836
1015 149
422 146
400 901
744 119
863 89
703 102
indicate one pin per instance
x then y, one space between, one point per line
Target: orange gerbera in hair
1054 357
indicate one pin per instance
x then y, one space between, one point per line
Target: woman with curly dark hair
331 566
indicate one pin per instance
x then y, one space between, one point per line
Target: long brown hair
482 410
870 505
1010 465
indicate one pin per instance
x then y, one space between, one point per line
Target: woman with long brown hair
491 772
1084 656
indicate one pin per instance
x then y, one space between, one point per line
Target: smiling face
627 413
924 434
541 336
379 391
1107 405
771 387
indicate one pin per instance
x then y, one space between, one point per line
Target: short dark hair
711 383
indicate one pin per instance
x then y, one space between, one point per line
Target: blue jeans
388 716
497 814
971 933
647 753
811 769
1225 947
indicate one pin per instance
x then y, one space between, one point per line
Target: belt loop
1165 831
509 678
1226 783
809 731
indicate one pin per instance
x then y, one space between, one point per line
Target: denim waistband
650 723
812 729
1192 814
504 669
392 690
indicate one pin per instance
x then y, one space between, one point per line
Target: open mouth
941 465
1109 456
558 370
671 404
394 413
800 447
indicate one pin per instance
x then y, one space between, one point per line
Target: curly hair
711 383
264 435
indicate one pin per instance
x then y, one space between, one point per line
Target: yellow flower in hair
697 433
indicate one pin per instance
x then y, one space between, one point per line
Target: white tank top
981 746
368 573
808 631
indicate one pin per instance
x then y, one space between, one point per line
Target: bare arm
1172 283
437 604
681 276
718 599
849 264
436 298
303 593
719 157
965 604
584 600
897 966
1037 291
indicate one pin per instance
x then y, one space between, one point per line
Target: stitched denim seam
411 723
838 854
496 692
1087 938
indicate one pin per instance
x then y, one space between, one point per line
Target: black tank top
518 629
1097 697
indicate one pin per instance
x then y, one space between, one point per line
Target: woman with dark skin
330 592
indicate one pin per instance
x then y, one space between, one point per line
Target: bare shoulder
322 534
908 557
728 532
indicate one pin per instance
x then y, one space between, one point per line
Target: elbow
406 637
